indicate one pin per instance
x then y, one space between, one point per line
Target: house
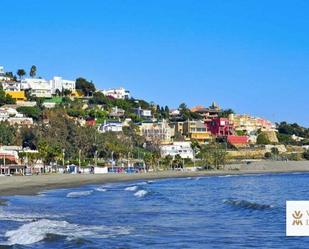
160 132
193 130
117 93
38 87
110 126
13 89
2 75
183 149
196 130
60 84
117 112
220 127
207 113
143 113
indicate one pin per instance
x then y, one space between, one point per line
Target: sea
232 211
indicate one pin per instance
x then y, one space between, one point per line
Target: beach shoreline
31 185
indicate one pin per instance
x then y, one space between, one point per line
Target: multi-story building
38 87
195 130
183 149
117 93
2 75
58 83
160 132
251 125
220 127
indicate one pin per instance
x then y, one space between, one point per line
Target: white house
117 93
110 126
11 86
39 87
2 75
144 113
183 149
61 84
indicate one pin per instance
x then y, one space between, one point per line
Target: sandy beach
28 185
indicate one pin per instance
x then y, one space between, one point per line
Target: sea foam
132 188
101 189
37 231
141 193
79 194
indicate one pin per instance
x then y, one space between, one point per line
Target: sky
251 56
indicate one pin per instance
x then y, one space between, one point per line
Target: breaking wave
79 194
132 188
39 230
247 204
100 189
141 193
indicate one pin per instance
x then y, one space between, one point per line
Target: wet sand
29 185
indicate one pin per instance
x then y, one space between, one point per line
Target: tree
226 113
6 98
21 73
31 112
32 72
263 139
7 133
85 86
213 155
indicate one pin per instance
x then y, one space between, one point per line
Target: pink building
220 127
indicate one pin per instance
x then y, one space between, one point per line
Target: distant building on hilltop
2 74
250 125
117 93
207 113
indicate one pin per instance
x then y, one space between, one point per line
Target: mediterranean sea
233 211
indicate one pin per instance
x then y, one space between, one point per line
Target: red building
90 122
237 140
220 127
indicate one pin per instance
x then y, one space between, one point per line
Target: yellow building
17 95
77 94
194 130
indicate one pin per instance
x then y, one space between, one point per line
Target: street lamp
63 155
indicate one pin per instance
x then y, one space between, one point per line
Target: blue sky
251 56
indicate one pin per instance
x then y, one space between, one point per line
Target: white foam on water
132 188
37 231
100 189
142 183
141 193
23 217
224 176
79 194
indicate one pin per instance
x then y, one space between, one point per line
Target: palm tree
21 73
33 71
